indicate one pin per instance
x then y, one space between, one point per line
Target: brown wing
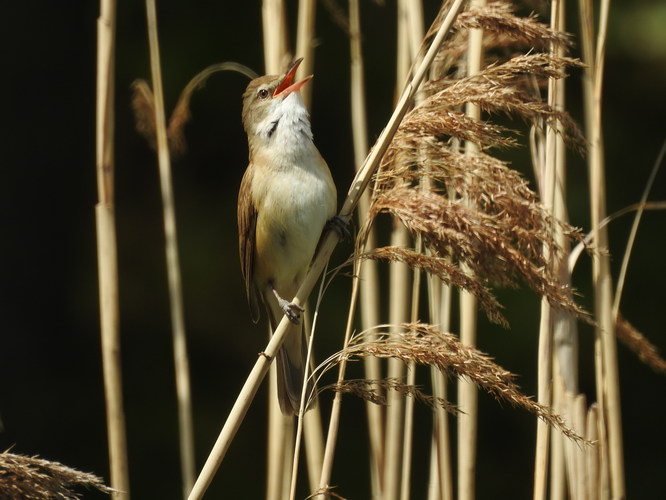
247 225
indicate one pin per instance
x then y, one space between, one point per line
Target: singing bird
286 197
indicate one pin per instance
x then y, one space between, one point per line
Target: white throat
287 126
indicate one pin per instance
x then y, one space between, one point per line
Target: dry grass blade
371 390
181 113
425 345
143 105
646 351
32 478
326 492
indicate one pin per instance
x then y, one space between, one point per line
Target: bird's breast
294 199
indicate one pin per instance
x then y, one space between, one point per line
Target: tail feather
290 381
291 360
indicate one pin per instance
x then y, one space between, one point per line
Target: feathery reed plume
425 345
646 351
497 247
503 32
499 234
32 478
498 19
368 390
446 271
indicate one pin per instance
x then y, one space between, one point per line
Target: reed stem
467 392
183 392
107 258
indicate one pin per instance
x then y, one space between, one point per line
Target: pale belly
295 208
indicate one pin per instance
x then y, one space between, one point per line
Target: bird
286 197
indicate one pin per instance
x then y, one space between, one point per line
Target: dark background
51 396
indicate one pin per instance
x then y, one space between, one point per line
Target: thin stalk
579 412
552 165
275 36
328 243
107 258
365 270
634 230
467 392
399 300
398 313
314 445
441 441
608 384
408 430
315 457
305 44
274 28
334 422
311 421
557 457
411 20
279 432
564 328
186 431
592 455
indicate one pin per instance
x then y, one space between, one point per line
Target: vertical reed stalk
608 390
311 420
549 182
365 270
275 59
334 421
592 460
411 19
305 44
399 303
441 481
275 36
467 392
173 267
107 260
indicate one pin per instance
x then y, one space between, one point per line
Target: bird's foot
341 227
292 310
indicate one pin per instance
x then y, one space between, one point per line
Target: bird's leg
338 225
292 310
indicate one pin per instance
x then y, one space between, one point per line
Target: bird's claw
292 310
340 226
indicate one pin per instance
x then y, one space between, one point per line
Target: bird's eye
263 93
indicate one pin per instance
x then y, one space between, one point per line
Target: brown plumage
286 196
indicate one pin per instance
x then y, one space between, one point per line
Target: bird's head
268 99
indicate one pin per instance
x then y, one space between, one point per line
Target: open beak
287 85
